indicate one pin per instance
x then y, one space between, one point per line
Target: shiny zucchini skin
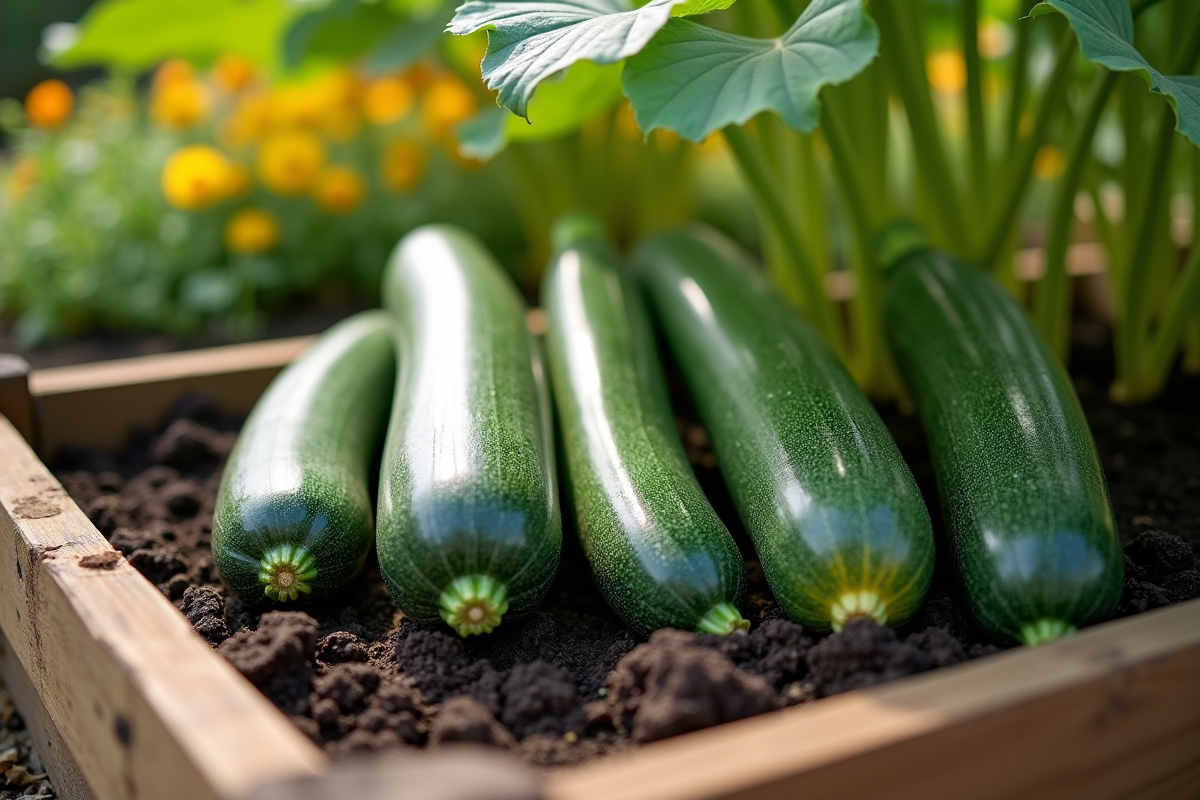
1023 495
293 516
839 525
657 550
469 528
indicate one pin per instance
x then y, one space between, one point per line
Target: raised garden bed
147 708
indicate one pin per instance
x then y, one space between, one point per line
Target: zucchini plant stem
1050 297
1019 79
1185 300
976 125
1020 167
868 316
912 84
772 206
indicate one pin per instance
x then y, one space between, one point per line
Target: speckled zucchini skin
817 479
299 472
658 551
1023 495
467 482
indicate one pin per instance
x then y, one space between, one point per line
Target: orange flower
387 100
24 175
179 104
341 124
174 70
233 73
289 161
196 177
251 230
307 104
339 190
49 104
947 71
1049 163
403 165
446 103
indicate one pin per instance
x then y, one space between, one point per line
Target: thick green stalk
812 197
765 190
1019 169
1019 76
976 125
867 315
912 83
1131 322
1051 307
1183 307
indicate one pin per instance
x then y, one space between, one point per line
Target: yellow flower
307 104
1049 163
49 104
233 73
24 175
339 190
251 230
179 104
174 70
387 100
289 161
247 122
196 177
403 165
446 103
947 71
341 124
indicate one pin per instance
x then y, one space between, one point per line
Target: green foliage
137 34
695 80
529 42
1105 30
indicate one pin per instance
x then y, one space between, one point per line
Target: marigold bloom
447 102
307 104
49 104
179 104
1049 163
947 71
387 100
289 161
251 230
247 123
233 73
24 175
339 190
197 176
403 165
174 70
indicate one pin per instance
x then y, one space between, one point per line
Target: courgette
1023 495
293 516
657 550
834 513
469 527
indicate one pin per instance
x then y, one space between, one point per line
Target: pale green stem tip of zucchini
286 572
473 604
1045 630
723 618
863 603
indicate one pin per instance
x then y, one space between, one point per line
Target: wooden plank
145 706
16 403
1111 712
95 405
65 775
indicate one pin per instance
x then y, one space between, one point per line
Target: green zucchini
658 551
469 524
293 512
1023 495
837 520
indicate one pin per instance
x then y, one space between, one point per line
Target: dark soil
571 682
21 772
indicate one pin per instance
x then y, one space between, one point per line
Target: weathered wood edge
96 405
1110 712
145 706
16 401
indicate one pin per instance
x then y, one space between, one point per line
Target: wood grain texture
95 405
1111 712
66 777
145 706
